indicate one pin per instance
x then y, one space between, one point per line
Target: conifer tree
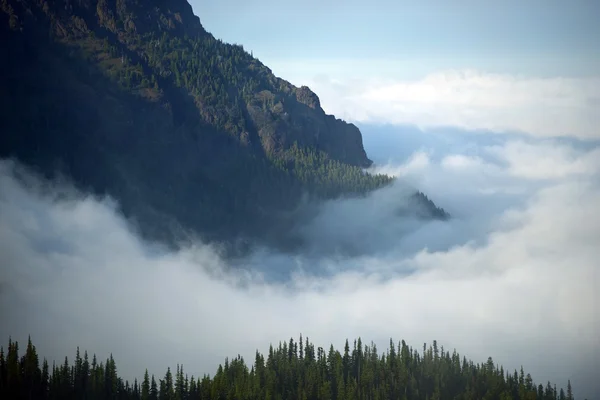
400 373
153 389
146 386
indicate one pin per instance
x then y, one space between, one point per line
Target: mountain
293 370
136 100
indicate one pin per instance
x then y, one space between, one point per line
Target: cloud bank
470 99
514 275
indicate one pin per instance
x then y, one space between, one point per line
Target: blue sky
408 39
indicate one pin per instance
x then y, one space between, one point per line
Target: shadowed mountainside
136 100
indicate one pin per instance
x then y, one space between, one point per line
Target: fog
513 275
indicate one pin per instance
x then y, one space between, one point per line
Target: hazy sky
405 39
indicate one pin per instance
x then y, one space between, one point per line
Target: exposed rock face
300 118
307 97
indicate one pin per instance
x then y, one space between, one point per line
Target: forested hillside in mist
292 371
136 100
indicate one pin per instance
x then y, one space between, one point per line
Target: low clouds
469 99
547 160
513 276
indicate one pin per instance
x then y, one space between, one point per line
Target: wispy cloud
469 99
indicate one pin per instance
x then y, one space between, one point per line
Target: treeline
294 370
327 178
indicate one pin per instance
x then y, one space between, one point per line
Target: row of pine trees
291 371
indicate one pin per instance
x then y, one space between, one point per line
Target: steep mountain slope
135 99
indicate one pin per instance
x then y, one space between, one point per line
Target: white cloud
459 161
543 107
418 162
547 160
514 277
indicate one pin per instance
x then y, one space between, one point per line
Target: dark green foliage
363 373
426 208
327 178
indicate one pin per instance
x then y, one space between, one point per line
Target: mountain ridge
138 101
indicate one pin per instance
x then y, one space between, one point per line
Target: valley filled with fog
236 122
513 274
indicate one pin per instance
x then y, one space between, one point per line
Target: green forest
294 370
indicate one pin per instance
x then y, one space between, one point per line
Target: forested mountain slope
292 371
135 99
